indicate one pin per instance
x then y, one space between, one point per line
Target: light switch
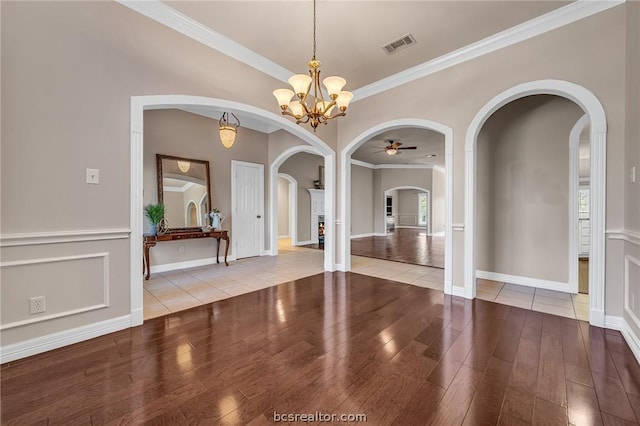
633 174
93 176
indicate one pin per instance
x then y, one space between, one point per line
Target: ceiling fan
394 147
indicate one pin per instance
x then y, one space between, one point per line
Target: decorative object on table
163 226
310 106
216 219
155 214
228 129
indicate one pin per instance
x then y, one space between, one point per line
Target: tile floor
175 291
537 299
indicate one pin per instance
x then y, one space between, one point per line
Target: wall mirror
185 191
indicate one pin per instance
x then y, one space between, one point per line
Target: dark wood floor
406 245
335 343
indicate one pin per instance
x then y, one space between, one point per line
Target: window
389 206
422 209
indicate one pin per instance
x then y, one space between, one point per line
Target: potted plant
154 213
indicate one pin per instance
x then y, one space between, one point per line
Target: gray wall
303 167
523 188
362 200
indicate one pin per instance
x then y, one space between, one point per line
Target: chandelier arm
340 114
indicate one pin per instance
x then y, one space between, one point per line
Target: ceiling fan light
284 97
227 136
343 100
392 151
334 85
300 83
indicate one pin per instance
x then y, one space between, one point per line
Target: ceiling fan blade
409 147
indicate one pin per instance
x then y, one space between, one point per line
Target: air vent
399 44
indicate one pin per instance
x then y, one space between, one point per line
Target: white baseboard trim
526 281
619 323
448 285
437 234
370 234
411 226
189 264
457 291
57 340
340 267
597 318
304 243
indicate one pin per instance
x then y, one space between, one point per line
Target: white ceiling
278 36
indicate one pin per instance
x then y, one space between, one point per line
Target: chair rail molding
55 237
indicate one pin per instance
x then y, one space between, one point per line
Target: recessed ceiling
350 34
426 142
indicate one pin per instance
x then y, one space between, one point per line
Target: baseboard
304 243
526 281
188 264
57 340
619 323
448 286
411 227
370 234
438 234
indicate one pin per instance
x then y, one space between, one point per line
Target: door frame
234 223
403 187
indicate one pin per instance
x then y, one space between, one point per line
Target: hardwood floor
406 245
338 343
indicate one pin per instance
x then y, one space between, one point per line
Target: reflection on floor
537 299
407 245
175 291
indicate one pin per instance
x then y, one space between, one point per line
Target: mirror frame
159 158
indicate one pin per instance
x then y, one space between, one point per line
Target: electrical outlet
180 249
37 305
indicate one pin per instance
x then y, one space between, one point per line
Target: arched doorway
345 243
141 103
594 110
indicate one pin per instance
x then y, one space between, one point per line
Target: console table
151 240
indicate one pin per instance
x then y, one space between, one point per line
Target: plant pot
153 230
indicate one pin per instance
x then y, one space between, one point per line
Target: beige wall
182 134
304 169
523 189
362 204
408 207
631 252
283 207
438 192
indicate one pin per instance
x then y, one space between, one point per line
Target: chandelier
310 105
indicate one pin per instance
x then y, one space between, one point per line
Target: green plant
154 212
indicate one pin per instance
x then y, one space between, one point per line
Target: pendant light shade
228 130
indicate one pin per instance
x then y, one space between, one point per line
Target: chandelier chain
314 29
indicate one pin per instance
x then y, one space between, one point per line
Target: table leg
218 250
226 250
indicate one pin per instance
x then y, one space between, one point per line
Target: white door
247 203
583 218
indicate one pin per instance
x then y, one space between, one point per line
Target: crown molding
580 9
565 15
195 30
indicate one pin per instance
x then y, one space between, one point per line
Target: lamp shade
227 136
392 151
343 100
296 109
300 83
283 96
334 84
184 166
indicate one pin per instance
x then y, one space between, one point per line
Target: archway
141 103
293 207
345 157
598 137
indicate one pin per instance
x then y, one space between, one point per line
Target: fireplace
321 230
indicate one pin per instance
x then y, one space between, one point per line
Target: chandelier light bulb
284 97
334 85
300 83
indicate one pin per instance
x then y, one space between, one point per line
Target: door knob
258 216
